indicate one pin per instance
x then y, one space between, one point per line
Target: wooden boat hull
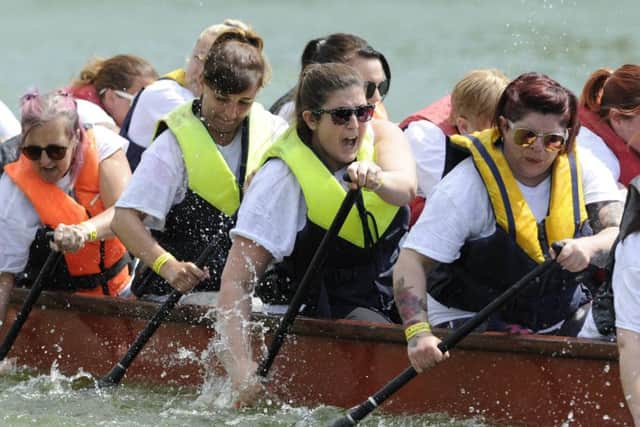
518 380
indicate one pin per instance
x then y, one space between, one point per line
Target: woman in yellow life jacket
523 186
292 201
188 186
66 179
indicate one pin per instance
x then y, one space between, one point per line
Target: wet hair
118 72
477 94
538 93
37 110
316 84
341 47
607 90
236 62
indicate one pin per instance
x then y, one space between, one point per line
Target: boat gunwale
197 315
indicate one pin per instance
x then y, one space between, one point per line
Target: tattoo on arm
412 307
604 214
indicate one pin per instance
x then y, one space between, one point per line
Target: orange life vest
55 207
629 158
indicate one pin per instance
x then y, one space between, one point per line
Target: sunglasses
54 152
120 94
370 88
552 141
341 116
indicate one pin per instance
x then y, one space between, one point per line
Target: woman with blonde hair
173 89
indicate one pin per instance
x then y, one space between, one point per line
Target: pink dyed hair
37 110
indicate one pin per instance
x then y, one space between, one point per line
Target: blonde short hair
477 94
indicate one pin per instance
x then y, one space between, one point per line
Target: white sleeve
108 142
155 101
597 182
18 225
588 140
9 125
273 210
457 210
428 144
626 277
159 181
91 114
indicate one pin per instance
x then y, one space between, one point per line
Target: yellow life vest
323 193
203 160
567 210
179 75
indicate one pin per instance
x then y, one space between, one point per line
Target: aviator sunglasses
54 152
552 141
341 116
370 88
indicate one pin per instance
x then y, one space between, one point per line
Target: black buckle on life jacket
92 281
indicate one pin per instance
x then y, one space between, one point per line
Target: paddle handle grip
316 264
119 369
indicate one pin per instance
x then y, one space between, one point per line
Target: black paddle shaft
356 414
119 369
27 305
316 264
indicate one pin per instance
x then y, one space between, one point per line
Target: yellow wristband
417 328
160 261
92 231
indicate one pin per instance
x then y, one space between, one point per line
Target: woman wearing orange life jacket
66 179
610 116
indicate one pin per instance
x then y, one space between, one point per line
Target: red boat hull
518 380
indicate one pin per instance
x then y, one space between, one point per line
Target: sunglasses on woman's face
54 152
370 88
524 137
341 116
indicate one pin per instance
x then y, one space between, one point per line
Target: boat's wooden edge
542 345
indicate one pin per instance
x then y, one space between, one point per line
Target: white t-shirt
19 221
155 101
459 209
9 125
428 144
592 142
626 284
92 114
273 210
160 180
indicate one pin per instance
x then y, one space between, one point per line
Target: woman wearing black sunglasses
522 186
348 49
66 179
293 199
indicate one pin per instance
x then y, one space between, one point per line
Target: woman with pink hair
67 179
